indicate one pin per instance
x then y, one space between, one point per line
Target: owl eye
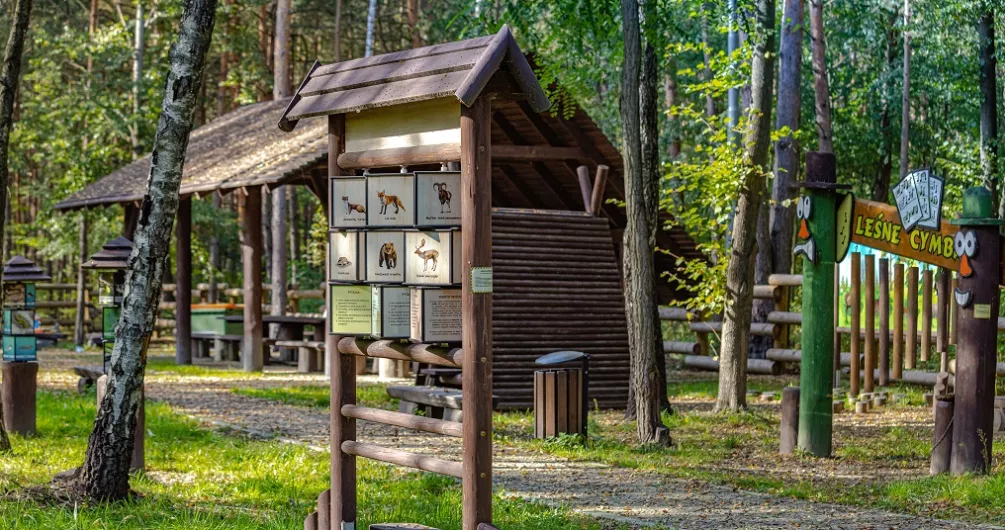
807 207
959 243
799 208
970 246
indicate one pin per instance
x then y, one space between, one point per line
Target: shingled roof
460 69
240 148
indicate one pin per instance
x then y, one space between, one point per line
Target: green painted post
818 245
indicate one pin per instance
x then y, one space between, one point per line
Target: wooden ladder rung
403 458
408 421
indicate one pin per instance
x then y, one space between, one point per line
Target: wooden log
691 348
20 384
476 311
942 438
884 322
870 322
407 421
856 278
754 366
926 315
790 420
676 313
599 189
898 321
388 349
785 317
324 510
768 292
786 280
183 297
398 156
795 356
342 369
756 328
250 212
911 353
945 297
585 188
403 458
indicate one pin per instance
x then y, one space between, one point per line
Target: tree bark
989 105
821 88
740 270
413 23
905 116
371 20
214 256
881 186
134 128
338 31
638 118
282 88
105 472
10 75
79 333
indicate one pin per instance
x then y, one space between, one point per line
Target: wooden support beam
476 310
585 188
599 187
537 153
79 331
250 212
423 154
183 273
407 421
404 458
390 349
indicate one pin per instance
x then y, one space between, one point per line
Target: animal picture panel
385 256
390 200
351 312
19 349
348 202
391 312
14 295
436 315
433 257
22 322
437 199
346 260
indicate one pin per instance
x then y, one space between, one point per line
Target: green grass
317 396
162 365
199 479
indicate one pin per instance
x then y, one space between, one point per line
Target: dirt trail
624 495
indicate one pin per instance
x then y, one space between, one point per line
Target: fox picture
389 200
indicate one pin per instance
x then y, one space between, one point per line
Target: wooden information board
877 225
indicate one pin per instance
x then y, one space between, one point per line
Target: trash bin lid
560 357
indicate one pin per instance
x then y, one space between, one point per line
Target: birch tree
105 472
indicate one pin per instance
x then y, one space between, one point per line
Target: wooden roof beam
537 153
549 180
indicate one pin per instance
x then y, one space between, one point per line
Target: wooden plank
423 53
408 421
550 396
942 311
424 123
884 322
856 278
398 156
870 322
183 294
877 225
537 153
388 349
476 223
898 320
389 72
403 458
250 212
376 96
562 401
910 357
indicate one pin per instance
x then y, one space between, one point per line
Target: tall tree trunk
10 75
214 256
740 270
134 128
79 332
905 116
413 23
338 31
371 21
881 186
821 89
989 105
105 472
282 88
638 119
707 60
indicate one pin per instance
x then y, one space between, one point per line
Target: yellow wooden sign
877 225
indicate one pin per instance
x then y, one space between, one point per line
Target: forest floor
723 472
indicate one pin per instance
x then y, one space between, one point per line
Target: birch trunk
10 75
638 123
740 270
105 472
821 89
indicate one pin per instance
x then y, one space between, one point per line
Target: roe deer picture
427 255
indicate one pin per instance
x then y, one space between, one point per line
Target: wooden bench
88 376
435 402
224 347
443 377
310 356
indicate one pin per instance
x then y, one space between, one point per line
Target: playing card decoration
806 246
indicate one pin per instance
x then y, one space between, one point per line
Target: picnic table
290 338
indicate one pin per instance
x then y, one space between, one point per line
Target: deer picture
427 255
387 200
350 207
444 194
388 256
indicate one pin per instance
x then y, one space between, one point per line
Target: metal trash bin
561 395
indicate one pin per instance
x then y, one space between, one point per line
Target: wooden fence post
856 308
884 322
898 321
910 357
870 322
926 315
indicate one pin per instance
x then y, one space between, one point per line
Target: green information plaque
351 310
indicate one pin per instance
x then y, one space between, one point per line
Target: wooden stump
18 395
942 440
790 420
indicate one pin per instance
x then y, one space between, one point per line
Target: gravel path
637 498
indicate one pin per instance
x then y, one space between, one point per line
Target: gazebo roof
21 269
241 148
460 69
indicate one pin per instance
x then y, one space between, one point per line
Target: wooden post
79 331
926 315
183 283
942 439
870 322
599 186
856 308
476 257
837 336
790 420
898 321
18 396
954 310
884 322
342 498
910 358
973 419
585 188
250 212
942 311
